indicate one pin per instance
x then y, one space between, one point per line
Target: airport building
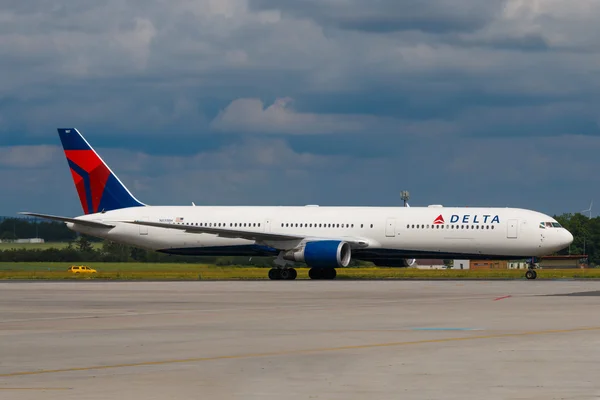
488 264
430 264
21 241
564 262
547 262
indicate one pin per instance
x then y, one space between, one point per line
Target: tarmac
300 340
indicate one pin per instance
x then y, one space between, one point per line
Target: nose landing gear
531 274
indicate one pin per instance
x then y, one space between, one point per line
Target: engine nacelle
322 254
395 263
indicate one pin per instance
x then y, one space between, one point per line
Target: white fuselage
391 232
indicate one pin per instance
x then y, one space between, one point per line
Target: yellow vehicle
81 269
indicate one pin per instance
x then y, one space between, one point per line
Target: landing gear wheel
530 274
274 274
322 273
314 273
288 274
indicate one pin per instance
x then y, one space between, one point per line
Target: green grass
160 271
41 246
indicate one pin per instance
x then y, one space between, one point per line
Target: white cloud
124 65
394 73
27 156
249 115
527 173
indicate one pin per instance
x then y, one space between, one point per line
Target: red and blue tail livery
99 189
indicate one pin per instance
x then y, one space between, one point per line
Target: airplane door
143 228
390 227
512 228
267 227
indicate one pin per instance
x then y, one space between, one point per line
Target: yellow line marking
304 351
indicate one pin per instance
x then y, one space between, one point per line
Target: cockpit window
544 225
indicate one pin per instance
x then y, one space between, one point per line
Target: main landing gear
322 273
290 274
284 271
287 274
531 274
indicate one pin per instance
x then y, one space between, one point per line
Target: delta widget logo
439 220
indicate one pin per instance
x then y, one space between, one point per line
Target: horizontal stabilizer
91 224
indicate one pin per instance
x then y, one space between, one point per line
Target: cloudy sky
332 102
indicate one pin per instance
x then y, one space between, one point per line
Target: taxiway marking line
301 351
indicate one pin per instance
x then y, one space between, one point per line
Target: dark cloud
384 16
458 101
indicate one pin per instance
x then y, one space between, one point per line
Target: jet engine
322 254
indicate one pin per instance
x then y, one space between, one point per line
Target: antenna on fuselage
405 195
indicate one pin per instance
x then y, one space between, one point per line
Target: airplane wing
91 224
242 234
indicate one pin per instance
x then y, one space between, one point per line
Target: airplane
324 238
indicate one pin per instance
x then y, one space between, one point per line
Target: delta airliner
324 238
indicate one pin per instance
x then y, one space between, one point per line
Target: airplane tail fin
99 189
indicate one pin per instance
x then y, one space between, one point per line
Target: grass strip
191 272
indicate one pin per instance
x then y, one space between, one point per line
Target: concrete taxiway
300 340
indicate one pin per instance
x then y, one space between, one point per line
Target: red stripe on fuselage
97 171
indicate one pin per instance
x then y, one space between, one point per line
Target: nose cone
567 237
557 240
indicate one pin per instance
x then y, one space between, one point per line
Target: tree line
83 250
27 228
586 236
